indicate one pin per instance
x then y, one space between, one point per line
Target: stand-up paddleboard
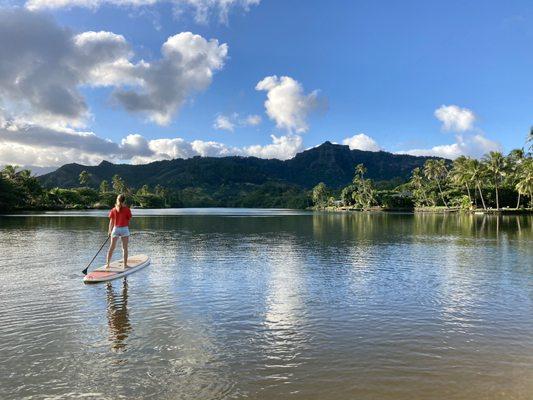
116 270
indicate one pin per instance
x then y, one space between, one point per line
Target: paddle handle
84 272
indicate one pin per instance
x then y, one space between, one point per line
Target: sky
142 80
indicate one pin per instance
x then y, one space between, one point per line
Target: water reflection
301 306
117 316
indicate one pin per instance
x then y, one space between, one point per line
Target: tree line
20 190
493 182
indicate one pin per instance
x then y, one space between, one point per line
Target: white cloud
282 147
44 65
361 142
223 123
229 122
188 64
252 120
469 145
287 104
455 118
25 144
202 10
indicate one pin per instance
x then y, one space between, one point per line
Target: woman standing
119 220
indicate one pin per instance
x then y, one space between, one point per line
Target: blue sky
381 69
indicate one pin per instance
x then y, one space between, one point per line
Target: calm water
270 304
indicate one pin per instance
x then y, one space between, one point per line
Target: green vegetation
19 190
494 183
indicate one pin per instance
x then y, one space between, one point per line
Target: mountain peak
104 163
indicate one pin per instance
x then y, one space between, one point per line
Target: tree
524 185
360 170
496 166
144 190
10 172
477 173
8 194
436 170
104 186
514 163
347 195
320 195
460 173
23 186
365 194
418 188
118 184
84 178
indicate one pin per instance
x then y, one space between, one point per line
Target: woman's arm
111 225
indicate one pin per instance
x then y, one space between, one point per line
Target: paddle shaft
99 250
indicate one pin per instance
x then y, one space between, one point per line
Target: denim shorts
120 231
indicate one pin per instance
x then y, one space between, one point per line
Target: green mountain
246 181
330 163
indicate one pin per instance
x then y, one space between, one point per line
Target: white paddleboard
116 270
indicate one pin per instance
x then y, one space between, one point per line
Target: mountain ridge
330 163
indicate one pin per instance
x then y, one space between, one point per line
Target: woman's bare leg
125 240
111 250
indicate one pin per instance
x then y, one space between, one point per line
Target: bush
393 199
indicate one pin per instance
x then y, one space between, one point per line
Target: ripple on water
268 305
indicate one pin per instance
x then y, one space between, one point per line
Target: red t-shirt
122 217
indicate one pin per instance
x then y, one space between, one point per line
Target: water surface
269 304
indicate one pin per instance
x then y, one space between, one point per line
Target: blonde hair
120 201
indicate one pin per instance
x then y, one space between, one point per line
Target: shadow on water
117 316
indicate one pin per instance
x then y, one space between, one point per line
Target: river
269 304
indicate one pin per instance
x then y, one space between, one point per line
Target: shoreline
430 210
335 209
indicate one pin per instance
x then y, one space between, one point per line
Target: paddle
84 272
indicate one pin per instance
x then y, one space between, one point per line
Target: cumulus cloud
282 147
455 118
202 10
223 123
287 104
361 142
43 66
252 120
469 145
25 144
229 122
188 64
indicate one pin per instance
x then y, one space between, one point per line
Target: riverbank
430 210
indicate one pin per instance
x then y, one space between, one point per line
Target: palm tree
360 169
530 139
417 183
436 170
460 173
514 164
525 180
104 186
320 194
496 166
477 173
84 178
10 172
118 184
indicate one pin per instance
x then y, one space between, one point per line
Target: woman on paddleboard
119 220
